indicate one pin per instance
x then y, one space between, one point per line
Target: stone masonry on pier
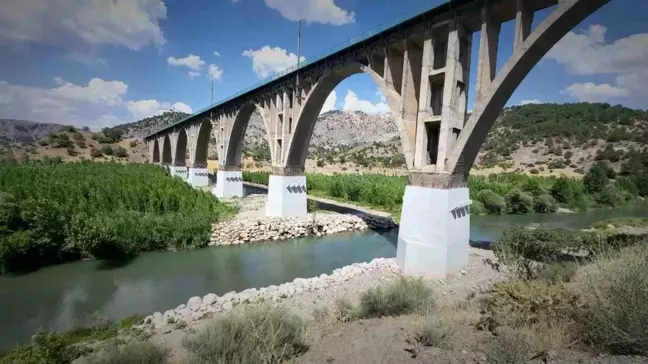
422 67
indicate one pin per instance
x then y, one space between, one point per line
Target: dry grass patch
257 335
135 352
402 297
437 332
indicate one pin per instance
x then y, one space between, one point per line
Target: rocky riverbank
198 308
258 229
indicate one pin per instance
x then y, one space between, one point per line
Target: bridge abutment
434 233
179 171
229 182
287 193
198 176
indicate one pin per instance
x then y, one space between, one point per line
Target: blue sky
101 63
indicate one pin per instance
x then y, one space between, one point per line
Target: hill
23 131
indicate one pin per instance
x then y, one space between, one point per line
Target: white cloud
532 101
74 24
215 73
192 61
182 107
318 11
268 60
352 102
58 80
194 74
98 104
596 93
217 54
587 53
329 104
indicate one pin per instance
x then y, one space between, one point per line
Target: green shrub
627 185
95 153
545 203
558 272
45 348
120 152
255 335
133 352
519 202
404 296
595 179
133 143
616 291
106 149
611 196
534 171
493 202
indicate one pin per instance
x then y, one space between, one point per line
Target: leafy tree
595 179
607 168
106 149
113 134
519 202
545 203
611 196
493 202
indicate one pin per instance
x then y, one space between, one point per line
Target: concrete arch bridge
422 68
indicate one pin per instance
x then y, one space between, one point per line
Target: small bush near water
55 212
257 335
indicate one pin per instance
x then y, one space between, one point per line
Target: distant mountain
141 128
23 131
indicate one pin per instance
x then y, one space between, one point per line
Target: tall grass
134 352
53 212
258 335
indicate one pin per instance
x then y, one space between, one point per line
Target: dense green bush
120 152
106 149
52 212
494 203
545 203
519 202
595 179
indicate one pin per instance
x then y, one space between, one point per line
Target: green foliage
494 203
257 335
59 140
133 143
611 195
595 179
106 149
113 134
95 153
519 202
622 222
52 212
545 203
402 297
120 152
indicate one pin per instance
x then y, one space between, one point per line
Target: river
63 296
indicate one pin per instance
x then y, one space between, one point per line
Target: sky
105 62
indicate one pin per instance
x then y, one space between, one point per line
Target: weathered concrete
287 196
228 184
434 231
179 171
198 177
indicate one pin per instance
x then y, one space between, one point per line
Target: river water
63 296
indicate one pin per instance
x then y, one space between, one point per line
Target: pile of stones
198 308
250 230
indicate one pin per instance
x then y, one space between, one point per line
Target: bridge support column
434 233
198 176
287 193
229 182
178 171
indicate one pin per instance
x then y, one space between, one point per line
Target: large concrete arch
298 149
567 15
180 158
202 144
166 151
235 146
155 157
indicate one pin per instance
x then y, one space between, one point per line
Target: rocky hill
23 131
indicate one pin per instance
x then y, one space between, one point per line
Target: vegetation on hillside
55 212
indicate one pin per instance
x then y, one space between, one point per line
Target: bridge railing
423 6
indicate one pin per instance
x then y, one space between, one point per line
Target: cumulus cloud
588 53
595 93
74 24
329 104
194 74
353 103
97 104
268 60
532 101
215 73
317 11
192 61
217 54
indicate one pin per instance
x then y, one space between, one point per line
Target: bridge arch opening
156 152
242 133
180 159
202 144
317 97
166 151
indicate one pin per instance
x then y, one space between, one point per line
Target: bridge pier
229 182
198 176
178 171
287 193
434 232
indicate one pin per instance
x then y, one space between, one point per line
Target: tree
545 203
106 149
519 202
607 168
493 202
562 190
595 180
120 152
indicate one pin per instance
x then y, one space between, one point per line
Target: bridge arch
567 15
298 149
232 156
156 152
166 150
181 148
202 144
